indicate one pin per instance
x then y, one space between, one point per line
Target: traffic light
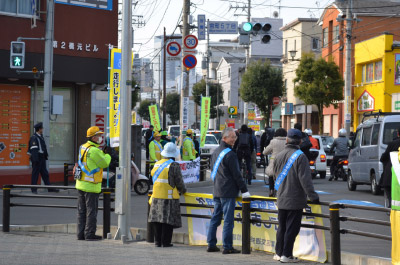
17 55
256 28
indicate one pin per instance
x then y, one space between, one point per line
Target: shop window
370 73
62 127
17 7
378 71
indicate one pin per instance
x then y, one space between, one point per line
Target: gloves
246 195
315 201
107 150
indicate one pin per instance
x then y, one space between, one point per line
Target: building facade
377 76
82 37
300 36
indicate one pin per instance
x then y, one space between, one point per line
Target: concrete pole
185 73
48 74
123 231
347 91
247 60
164 113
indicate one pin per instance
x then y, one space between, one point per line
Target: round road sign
191 41
173 48
232 110
189 61
276 100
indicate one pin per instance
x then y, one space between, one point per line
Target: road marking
322 192
355 202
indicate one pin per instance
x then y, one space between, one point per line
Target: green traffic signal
17 61
247 26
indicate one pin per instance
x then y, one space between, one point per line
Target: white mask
100 140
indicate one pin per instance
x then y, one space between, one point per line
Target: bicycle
243 169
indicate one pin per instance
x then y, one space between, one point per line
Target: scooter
313 169
342 169
260 160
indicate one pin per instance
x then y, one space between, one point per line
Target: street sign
189 61
222 27
201 27
232 110
276 100
190 41
173 48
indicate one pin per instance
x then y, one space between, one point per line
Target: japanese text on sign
222 27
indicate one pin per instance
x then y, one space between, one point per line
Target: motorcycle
260 160
342 169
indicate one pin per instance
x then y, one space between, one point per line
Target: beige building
300 36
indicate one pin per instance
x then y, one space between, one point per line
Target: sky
158 14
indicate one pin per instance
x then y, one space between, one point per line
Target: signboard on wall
99 4
395 102
366 102
15 125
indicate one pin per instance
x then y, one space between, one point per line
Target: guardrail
333 216
7 204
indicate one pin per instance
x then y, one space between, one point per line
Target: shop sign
366 102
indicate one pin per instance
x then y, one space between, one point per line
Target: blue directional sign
99 4
189 61
222 27
201 27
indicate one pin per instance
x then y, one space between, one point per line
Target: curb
139 234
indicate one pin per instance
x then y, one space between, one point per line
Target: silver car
370 141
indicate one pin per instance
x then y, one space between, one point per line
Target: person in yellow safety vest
164 214
155 147
395 206
188 150
92 160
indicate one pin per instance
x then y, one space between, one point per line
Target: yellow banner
205 118
154 117
114 96
309 245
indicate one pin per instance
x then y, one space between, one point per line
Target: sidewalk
51 248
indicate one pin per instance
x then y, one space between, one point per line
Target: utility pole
123 186
164 114
347 92
48 73
185 73
208 62
247 52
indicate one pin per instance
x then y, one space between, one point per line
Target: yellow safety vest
161 187
395 180
157 148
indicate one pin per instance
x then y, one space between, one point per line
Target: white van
370 141
174 130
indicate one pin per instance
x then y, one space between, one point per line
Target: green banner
154 117
205 118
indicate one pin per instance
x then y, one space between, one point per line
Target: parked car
320 160
327 141
174 130
210 145
370 141
217 134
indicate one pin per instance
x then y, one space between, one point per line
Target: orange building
370 19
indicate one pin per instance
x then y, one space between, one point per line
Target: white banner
190 170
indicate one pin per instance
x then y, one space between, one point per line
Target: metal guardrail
333 216
7 204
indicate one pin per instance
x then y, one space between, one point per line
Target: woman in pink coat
275 146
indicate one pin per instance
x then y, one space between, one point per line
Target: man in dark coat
292 192
148 138
37 152
228 182
386 178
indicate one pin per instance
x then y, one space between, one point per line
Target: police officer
92 160
188 151
155 147
37 152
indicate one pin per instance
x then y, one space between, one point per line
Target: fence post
106 211
150 232
6 208
65 174
335 233
202 170
246 225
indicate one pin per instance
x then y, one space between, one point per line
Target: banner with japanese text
190 170
114 96
309 244
205 118
154 117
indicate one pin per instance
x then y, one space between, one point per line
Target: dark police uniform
38 155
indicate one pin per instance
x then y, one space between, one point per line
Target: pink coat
276 145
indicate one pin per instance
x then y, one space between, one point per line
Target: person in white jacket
276 145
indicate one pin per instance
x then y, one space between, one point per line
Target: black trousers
87 213
288 229
39 167
162 233
334 163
